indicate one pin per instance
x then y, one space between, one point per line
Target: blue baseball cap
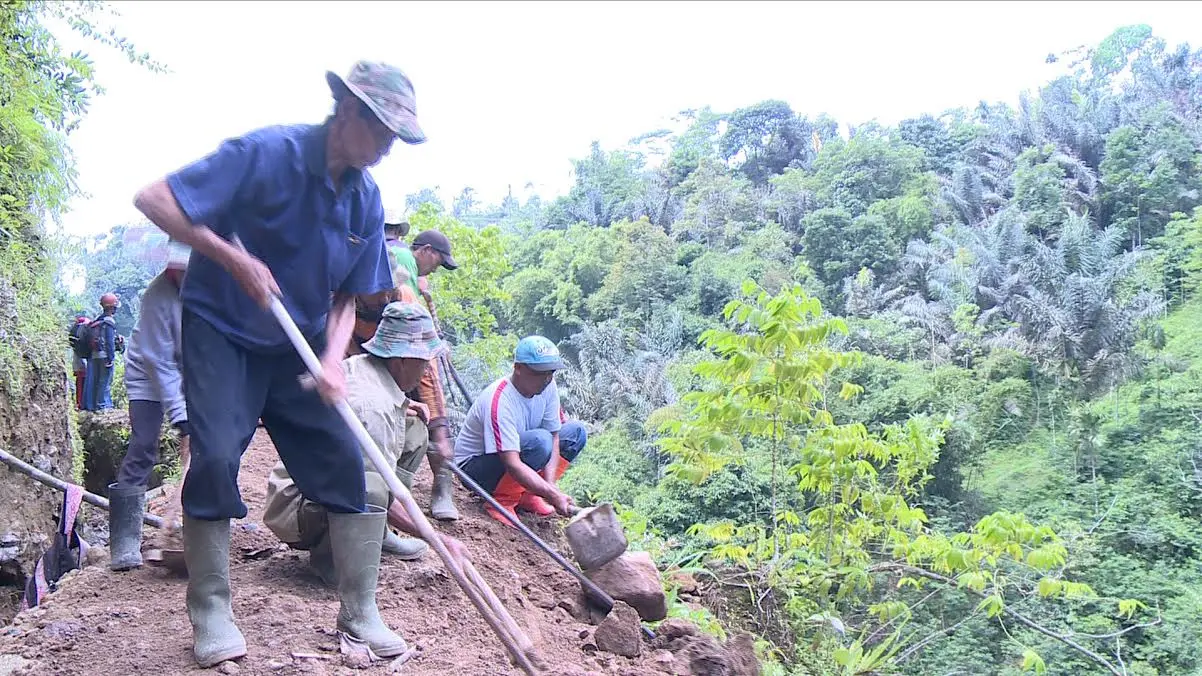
538 353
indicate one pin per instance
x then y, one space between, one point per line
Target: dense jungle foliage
921 398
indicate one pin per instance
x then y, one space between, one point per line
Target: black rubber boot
126 504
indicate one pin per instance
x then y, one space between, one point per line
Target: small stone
228 668
276 665
356 659
620 632
665 661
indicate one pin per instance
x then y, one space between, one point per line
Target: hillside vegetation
919 398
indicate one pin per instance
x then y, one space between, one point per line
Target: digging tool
53 482
507 620
596 536
163 555
398 489
591 591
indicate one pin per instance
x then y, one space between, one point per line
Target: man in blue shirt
309 215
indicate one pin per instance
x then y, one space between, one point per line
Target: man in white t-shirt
515 442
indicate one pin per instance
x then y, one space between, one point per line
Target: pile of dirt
123 623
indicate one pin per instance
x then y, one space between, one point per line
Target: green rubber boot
355 540
442 504
215 637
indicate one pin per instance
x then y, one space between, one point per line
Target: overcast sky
508 93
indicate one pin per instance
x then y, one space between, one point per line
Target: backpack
80 339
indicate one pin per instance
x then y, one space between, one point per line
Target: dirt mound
100 622
105 436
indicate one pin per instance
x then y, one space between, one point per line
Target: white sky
508 93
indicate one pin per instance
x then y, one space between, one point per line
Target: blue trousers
98 386
228 388
535 452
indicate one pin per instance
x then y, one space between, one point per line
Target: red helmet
108 300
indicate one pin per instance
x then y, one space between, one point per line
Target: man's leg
81 377
572 440
145 424
225 388
536 453
127 496
89 380
101 382
323 458
417 443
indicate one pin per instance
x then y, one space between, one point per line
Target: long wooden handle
54 482
507 620
397 488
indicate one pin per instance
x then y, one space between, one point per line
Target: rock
11 663
665 661
228 668
633 578
97 556
620 632
670 630
276 665
62 629
685 583
356 660
582 610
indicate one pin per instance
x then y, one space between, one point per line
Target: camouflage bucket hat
406 331
387 92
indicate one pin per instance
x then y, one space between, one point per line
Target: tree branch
1021 619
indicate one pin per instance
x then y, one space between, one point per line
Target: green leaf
1033 662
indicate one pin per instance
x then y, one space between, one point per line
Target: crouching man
393 363
515 443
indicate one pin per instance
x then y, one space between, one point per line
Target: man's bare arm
158 203
531 481
553 463
339 326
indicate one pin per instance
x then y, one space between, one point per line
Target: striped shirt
501 414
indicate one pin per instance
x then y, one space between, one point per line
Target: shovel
164 556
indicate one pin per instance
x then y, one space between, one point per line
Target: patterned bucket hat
387 92
406 331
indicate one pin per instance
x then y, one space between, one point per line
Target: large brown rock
620 632
633 578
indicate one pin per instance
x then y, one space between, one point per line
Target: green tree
46 93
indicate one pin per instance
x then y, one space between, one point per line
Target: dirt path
100 622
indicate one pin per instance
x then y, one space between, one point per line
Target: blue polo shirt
271 187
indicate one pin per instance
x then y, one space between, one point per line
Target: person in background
404 346
98 385
515 443
154 385
411 264
79 367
